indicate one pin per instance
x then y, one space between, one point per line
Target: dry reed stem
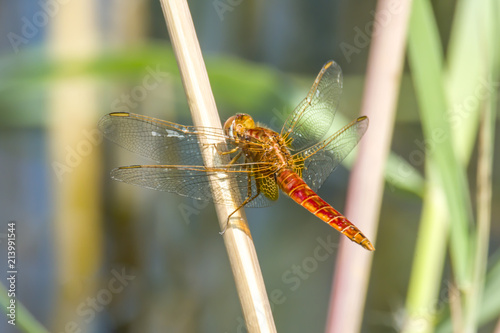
237 238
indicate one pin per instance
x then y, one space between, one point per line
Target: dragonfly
256 161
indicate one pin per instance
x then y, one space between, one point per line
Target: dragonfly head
236 125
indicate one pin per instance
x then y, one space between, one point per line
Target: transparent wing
161 141
313 117
316 163
194 181
178 147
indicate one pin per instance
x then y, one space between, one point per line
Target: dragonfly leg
247 200
221 152
234 150
235 158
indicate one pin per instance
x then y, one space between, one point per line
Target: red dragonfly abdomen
295 187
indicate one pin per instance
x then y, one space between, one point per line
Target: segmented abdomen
295 187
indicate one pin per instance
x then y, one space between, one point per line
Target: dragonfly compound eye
229 126
238 124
